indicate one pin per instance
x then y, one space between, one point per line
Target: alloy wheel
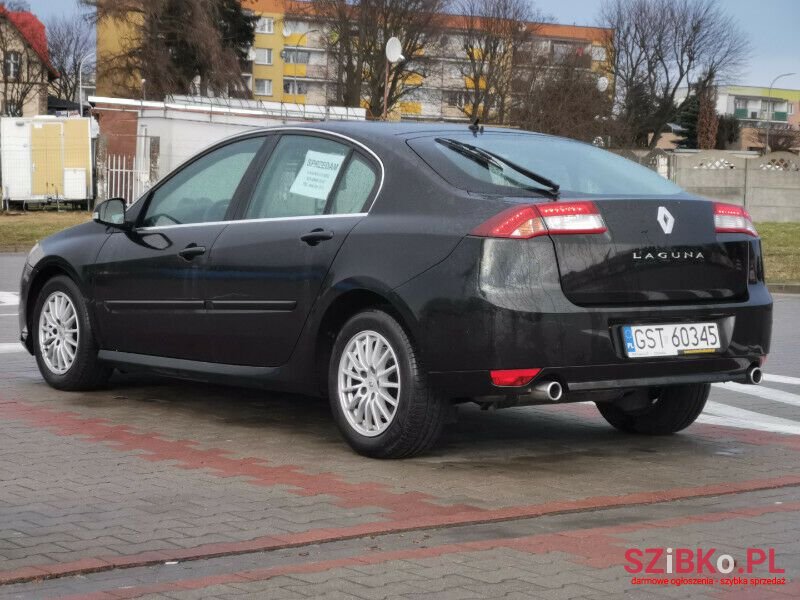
59 332
369 383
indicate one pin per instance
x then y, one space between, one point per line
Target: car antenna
476 127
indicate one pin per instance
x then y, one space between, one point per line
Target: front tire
675 408
377 389
63 339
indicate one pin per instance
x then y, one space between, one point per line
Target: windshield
574 166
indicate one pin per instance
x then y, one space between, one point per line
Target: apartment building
290 61
757 106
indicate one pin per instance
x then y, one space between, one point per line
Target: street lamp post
80 79
770 112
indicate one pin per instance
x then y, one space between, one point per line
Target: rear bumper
514 315
590 378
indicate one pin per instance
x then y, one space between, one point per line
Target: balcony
778 116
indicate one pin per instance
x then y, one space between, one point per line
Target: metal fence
125 178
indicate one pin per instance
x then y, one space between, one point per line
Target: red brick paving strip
187 455
596 547
318 536
406 512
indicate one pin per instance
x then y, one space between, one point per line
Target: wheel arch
45 270
340 308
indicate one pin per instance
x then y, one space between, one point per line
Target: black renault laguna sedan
402 269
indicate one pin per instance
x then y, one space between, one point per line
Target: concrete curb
784 288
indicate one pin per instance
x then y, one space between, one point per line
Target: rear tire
63 338
374 364
675 408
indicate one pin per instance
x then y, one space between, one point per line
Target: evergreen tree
728 130
687 118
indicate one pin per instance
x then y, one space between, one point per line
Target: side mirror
111 213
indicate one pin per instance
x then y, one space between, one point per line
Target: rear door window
299 178
355 187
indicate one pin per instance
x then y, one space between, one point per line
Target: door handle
315 236
191 251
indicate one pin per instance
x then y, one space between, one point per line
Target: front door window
202 191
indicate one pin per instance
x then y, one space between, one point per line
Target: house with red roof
25 67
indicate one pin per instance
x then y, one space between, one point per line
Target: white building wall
183 135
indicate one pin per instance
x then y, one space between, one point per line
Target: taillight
513 377
531 220
731 218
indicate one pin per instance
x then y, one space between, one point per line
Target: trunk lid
655 251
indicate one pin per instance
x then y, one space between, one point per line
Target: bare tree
70 40
787 139
172 44
25 73
659 47
357 32
491 31
561 97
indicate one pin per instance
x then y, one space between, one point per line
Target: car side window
355 187
202 191
298 179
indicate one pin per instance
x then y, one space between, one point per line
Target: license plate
643 341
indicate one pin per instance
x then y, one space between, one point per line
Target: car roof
386 133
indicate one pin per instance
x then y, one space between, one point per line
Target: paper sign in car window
317 175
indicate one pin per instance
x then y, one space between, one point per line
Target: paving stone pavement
255 495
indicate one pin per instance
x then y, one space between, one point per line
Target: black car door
148 281
268 266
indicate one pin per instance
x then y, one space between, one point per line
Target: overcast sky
772 26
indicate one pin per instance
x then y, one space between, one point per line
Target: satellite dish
287 30
394 50
602 84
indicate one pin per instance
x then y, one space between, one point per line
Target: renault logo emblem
665 219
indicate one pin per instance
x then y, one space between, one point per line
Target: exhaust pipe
548 390
755 375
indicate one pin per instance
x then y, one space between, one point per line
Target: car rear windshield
576 167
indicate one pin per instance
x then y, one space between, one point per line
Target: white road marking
716 413
781 379
9 314
9 299
761 392
11 348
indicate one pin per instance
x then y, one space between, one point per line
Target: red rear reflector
731 218
531 220
513 377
